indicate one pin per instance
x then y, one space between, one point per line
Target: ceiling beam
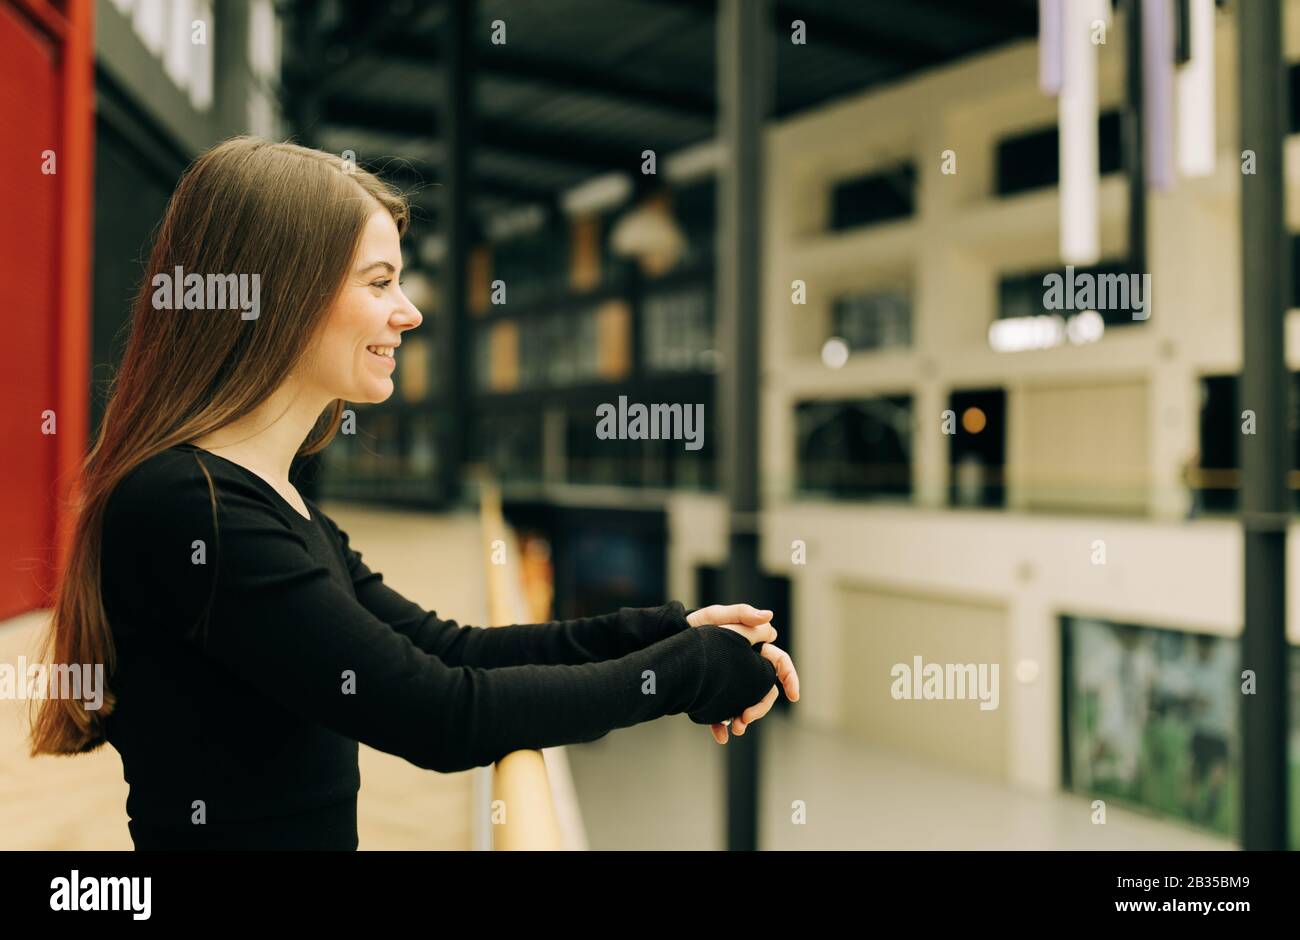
420 173
1015 18
377 30
566 76
564 150
842 35
849 37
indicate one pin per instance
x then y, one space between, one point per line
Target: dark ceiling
581 87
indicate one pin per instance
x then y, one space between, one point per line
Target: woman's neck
267 439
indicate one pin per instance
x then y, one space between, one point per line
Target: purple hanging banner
1158 91
1051 48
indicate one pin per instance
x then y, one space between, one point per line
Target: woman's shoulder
161 480
179 486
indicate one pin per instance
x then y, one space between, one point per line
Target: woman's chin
372 393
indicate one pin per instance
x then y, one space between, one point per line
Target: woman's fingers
754 712
786 674
764 633
719 614
757 711
741 613
785 670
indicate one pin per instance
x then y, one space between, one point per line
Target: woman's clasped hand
756 626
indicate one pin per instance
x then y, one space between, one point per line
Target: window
1294 299
1293 115
533 267
677 328
873 320
659 462
615 461
878 197
1053 307
695 209
860 448
1214 476
510 444
1032 160
977 448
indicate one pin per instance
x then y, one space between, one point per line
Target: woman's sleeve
283 625
560 642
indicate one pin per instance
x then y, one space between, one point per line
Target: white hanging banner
1077 108
1050 70
1196 128
1158 91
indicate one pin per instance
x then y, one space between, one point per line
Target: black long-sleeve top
255 649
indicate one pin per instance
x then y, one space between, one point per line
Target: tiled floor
660 786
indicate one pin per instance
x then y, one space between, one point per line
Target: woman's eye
382 284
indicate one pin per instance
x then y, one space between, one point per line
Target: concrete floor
660 786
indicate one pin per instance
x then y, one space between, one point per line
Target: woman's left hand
719 614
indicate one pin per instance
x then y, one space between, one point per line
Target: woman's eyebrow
377 264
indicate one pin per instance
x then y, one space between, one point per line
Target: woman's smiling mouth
382 352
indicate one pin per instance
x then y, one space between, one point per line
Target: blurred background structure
843 263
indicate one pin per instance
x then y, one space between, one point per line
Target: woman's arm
283 624
560 642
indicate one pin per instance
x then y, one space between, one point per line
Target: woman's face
355 355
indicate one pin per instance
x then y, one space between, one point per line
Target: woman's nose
408 315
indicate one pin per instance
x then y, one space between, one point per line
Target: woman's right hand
785 672
740 682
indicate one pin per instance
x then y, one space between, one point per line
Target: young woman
249 648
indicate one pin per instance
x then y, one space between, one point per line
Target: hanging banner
1196 130
1077 109
1158 91
1051 71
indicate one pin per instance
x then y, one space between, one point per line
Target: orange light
973 420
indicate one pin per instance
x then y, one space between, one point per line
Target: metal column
1266 455
1132 138
744 94
231 75
456 127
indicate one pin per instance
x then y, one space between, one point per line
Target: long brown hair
292 215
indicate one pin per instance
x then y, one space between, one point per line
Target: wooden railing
523 810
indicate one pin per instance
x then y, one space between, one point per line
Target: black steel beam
1266 454
836 32
1132 135
429 177
301 102
602 83
558 75
231 77
456 126
559 149
744 75
347 49
1015 20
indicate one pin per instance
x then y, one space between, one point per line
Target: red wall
46 103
